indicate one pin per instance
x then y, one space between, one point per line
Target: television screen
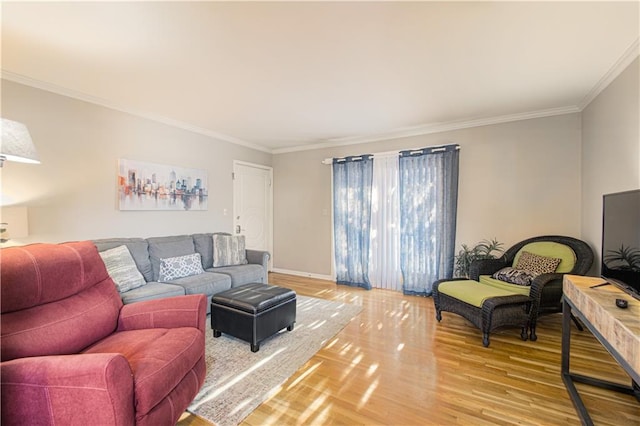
621 240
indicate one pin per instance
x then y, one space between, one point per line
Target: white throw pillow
180 267
229 250
122 268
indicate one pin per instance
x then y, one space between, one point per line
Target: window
394 219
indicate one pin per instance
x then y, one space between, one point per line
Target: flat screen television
621 240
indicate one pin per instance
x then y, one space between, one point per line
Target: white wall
610 150
517 180
72 195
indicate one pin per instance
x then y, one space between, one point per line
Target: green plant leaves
625 258
483 250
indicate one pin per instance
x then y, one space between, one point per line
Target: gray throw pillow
122 268
180 267
229 250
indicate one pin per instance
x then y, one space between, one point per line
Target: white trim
304 274
254 165
625 60
431 128
49 87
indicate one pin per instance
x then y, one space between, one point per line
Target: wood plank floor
395 364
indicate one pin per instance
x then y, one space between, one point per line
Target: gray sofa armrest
259 257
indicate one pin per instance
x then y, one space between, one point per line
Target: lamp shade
16 144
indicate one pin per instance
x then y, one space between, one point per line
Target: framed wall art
149 186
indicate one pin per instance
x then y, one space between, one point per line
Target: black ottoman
253 312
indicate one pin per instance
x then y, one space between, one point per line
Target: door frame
269 208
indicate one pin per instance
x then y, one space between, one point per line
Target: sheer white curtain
384 262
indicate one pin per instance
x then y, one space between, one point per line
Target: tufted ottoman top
253 298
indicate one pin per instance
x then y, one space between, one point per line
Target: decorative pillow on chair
229 250
514 276
180 267
537 264
122 268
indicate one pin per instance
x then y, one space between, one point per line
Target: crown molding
623 62
18 78
430 129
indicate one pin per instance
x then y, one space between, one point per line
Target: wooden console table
593 301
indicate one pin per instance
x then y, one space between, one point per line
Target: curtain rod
436 148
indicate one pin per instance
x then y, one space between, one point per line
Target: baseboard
303 274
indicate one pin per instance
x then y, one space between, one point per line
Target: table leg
564 369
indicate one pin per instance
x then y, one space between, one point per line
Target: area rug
239 380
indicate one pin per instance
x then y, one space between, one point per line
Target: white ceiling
291 75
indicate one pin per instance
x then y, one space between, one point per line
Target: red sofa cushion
42 273
159 358
56 300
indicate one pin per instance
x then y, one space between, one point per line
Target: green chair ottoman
485 306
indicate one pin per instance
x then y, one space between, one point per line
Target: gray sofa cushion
204 245
139 249
165 247
242 274
208 283
151 291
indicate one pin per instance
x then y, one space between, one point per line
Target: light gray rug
239 380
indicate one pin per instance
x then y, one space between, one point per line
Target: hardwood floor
395 364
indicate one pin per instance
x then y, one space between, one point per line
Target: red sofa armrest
67 389
171 312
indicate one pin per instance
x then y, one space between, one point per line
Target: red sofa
72 353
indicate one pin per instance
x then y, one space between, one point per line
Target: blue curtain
428 204
352 179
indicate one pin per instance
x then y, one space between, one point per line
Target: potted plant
485 249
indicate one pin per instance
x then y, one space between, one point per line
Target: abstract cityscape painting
148 186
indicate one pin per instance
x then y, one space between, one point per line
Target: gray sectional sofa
147 254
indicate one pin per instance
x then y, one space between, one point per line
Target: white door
252 205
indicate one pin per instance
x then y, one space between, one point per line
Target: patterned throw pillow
229 250
180 267
514 276
122 268
537 264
